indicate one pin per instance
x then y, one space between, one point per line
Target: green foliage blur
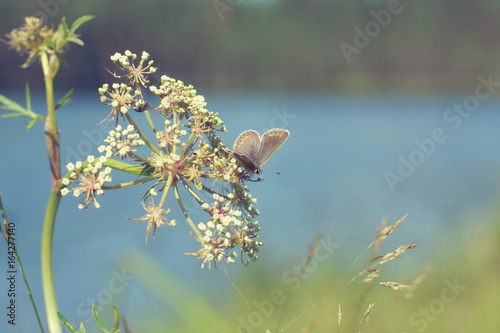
458 294
427 46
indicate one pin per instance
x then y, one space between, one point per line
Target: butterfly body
253 151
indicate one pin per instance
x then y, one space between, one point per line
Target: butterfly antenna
273 171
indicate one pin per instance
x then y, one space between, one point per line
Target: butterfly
253 151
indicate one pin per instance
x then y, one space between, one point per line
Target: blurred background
392 108
430 46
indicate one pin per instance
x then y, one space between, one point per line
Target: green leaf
28 113
31 124
63 29
28 96
10 115
98 319
79 21
66 323
11 105
75 40
122 166
82 328
31 58
51 43
116 323
66 99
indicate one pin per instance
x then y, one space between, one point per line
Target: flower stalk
50 69
52 140
48 45
46 260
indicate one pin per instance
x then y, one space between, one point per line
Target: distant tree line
277 45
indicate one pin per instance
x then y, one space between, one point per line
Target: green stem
166 189
189 145
175 125
47 274
150 121
50 67
135 182
122 166
193 193
186 215
143 137
51 130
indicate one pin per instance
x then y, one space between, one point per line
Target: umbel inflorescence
182 150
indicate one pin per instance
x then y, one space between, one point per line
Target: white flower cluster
225 230
90 177
120 142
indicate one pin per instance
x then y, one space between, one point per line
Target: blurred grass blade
197 315
8 239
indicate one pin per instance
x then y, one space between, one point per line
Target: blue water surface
443 170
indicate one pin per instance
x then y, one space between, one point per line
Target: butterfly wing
246 150
271 141
247 163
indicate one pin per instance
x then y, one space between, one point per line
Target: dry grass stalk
312 251
415 282
381 235
366 316
374 273
395 285
384 231
379 239
382 259
339 316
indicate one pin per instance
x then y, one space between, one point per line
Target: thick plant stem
47 274
52 135
50 68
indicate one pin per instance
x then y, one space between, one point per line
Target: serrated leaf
79 21
66 99
75 40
